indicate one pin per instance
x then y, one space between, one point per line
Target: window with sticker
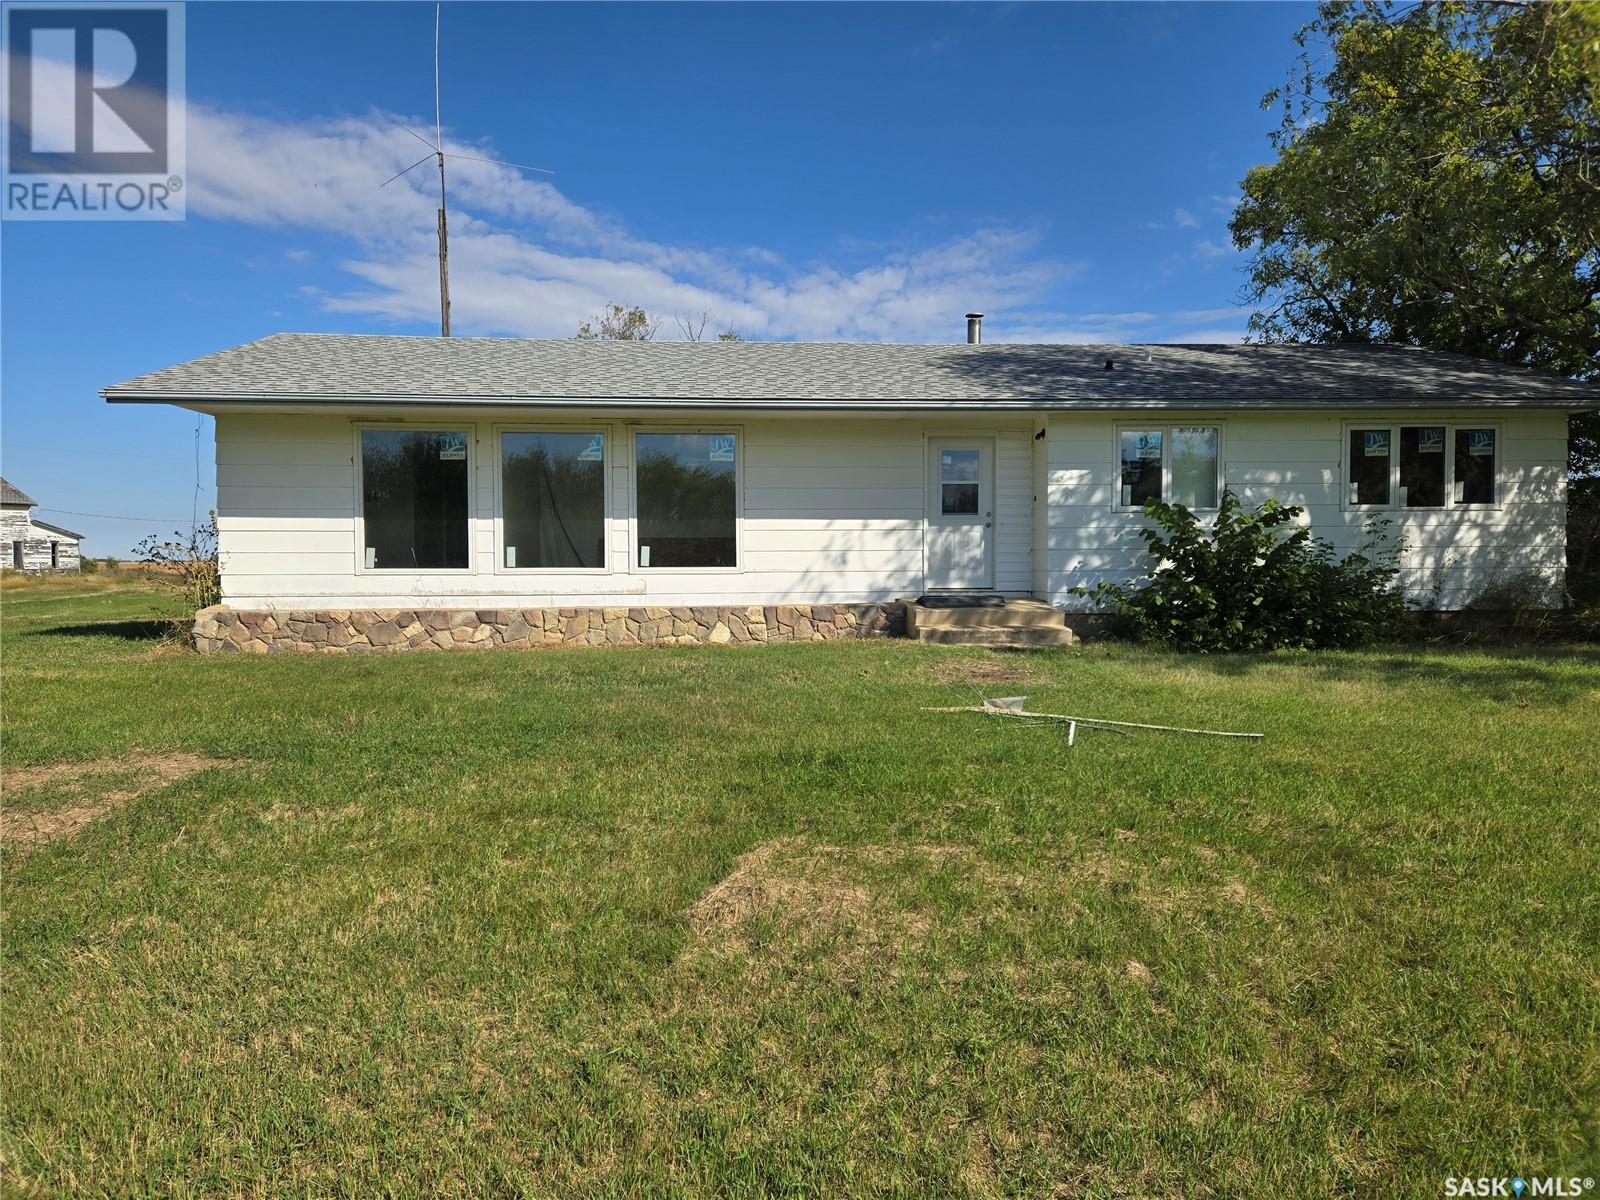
553 500
414 499
1180 464
686 499
1421 466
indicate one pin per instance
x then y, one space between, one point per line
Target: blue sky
796 171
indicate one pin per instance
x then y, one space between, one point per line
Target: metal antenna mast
439 154
444 229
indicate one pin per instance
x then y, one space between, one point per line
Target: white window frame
1450 502
738 498
607 445
470 428
1166 427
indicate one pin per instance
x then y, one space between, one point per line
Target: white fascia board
204 401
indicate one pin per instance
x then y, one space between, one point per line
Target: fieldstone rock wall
222 630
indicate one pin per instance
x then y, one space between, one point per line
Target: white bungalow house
31 544
412 492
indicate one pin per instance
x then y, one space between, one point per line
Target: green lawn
748 921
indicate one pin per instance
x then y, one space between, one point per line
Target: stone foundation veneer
220 629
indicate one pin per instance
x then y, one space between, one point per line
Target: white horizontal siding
832 510
1013 514
1451 554
1039 487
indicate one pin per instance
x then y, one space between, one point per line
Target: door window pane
1194 466
686 499
958 499
960 472
1369 466
1141 466
959 466
414 499
1422 466
553 490
1475 455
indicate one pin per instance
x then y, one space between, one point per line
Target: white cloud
1206 315
1080 328
1184 219
1226 334
1207 251
526 260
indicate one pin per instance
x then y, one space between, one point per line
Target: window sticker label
722 447
1147 445
1375 443
452 447
594 451
1480 442
1430 439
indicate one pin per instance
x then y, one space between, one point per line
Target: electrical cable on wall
194 503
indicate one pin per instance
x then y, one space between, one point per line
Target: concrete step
997 635
1017 614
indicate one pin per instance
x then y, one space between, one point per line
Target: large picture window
686 499
553 500
414 489
1176 463
1420 466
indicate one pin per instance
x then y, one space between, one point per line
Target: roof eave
75 536
335 400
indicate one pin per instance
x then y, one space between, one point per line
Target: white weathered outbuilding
31 544
469 491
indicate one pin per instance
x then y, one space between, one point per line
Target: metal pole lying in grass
995 709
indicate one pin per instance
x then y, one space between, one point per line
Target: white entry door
960 535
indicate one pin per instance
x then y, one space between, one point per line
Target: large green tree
1437 182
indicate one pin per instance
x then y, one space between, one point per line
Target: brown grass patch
89 796
991 668
808 891
813 894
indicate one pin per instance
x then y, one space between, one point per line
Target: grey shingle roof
338 368
11 495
